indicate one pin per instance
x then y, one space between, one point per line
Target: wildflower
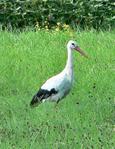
46 27
57 29
37 26
65 26
58 23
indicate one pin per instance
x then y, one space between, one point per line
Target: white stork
58 86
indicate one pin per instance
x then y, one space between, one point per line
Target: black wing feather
42 94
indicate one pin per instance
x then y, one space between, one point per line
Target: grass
84 119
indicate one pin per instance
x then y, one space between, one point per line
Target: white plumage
57 87
61 83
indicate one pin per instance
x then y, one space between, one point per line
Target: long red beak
81 52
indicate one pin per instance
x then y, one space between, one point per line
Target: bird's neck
69 63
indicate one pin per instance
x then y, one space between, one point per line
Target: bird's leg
56 107
57 101
56 104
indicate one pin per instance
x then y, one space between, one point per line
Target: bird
58 86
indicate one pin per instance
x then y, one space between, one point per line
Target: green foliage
82 120
77 13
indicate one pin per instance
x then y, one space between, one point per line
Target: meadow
82 120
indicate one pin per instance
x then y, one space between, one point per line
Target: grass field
84 119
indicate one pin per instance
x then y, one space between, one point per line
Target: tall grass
84 119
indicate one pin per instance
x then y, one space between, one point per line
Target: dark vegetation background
98 14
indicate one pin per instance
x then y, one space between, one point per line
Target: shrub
47 13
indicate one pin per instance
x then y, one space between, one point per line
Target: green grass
84 119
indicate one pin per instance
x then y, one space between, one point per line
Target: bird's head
72 45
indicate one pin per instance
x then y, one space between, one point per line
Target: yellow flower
57 29
45 22
46 27
37 24
58 23
65 26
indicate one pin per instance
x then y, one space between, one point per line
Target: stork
58 86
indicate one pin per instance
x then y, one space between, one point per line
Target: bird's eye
73 44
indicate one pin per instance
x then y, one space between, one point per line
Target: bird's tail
35 101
